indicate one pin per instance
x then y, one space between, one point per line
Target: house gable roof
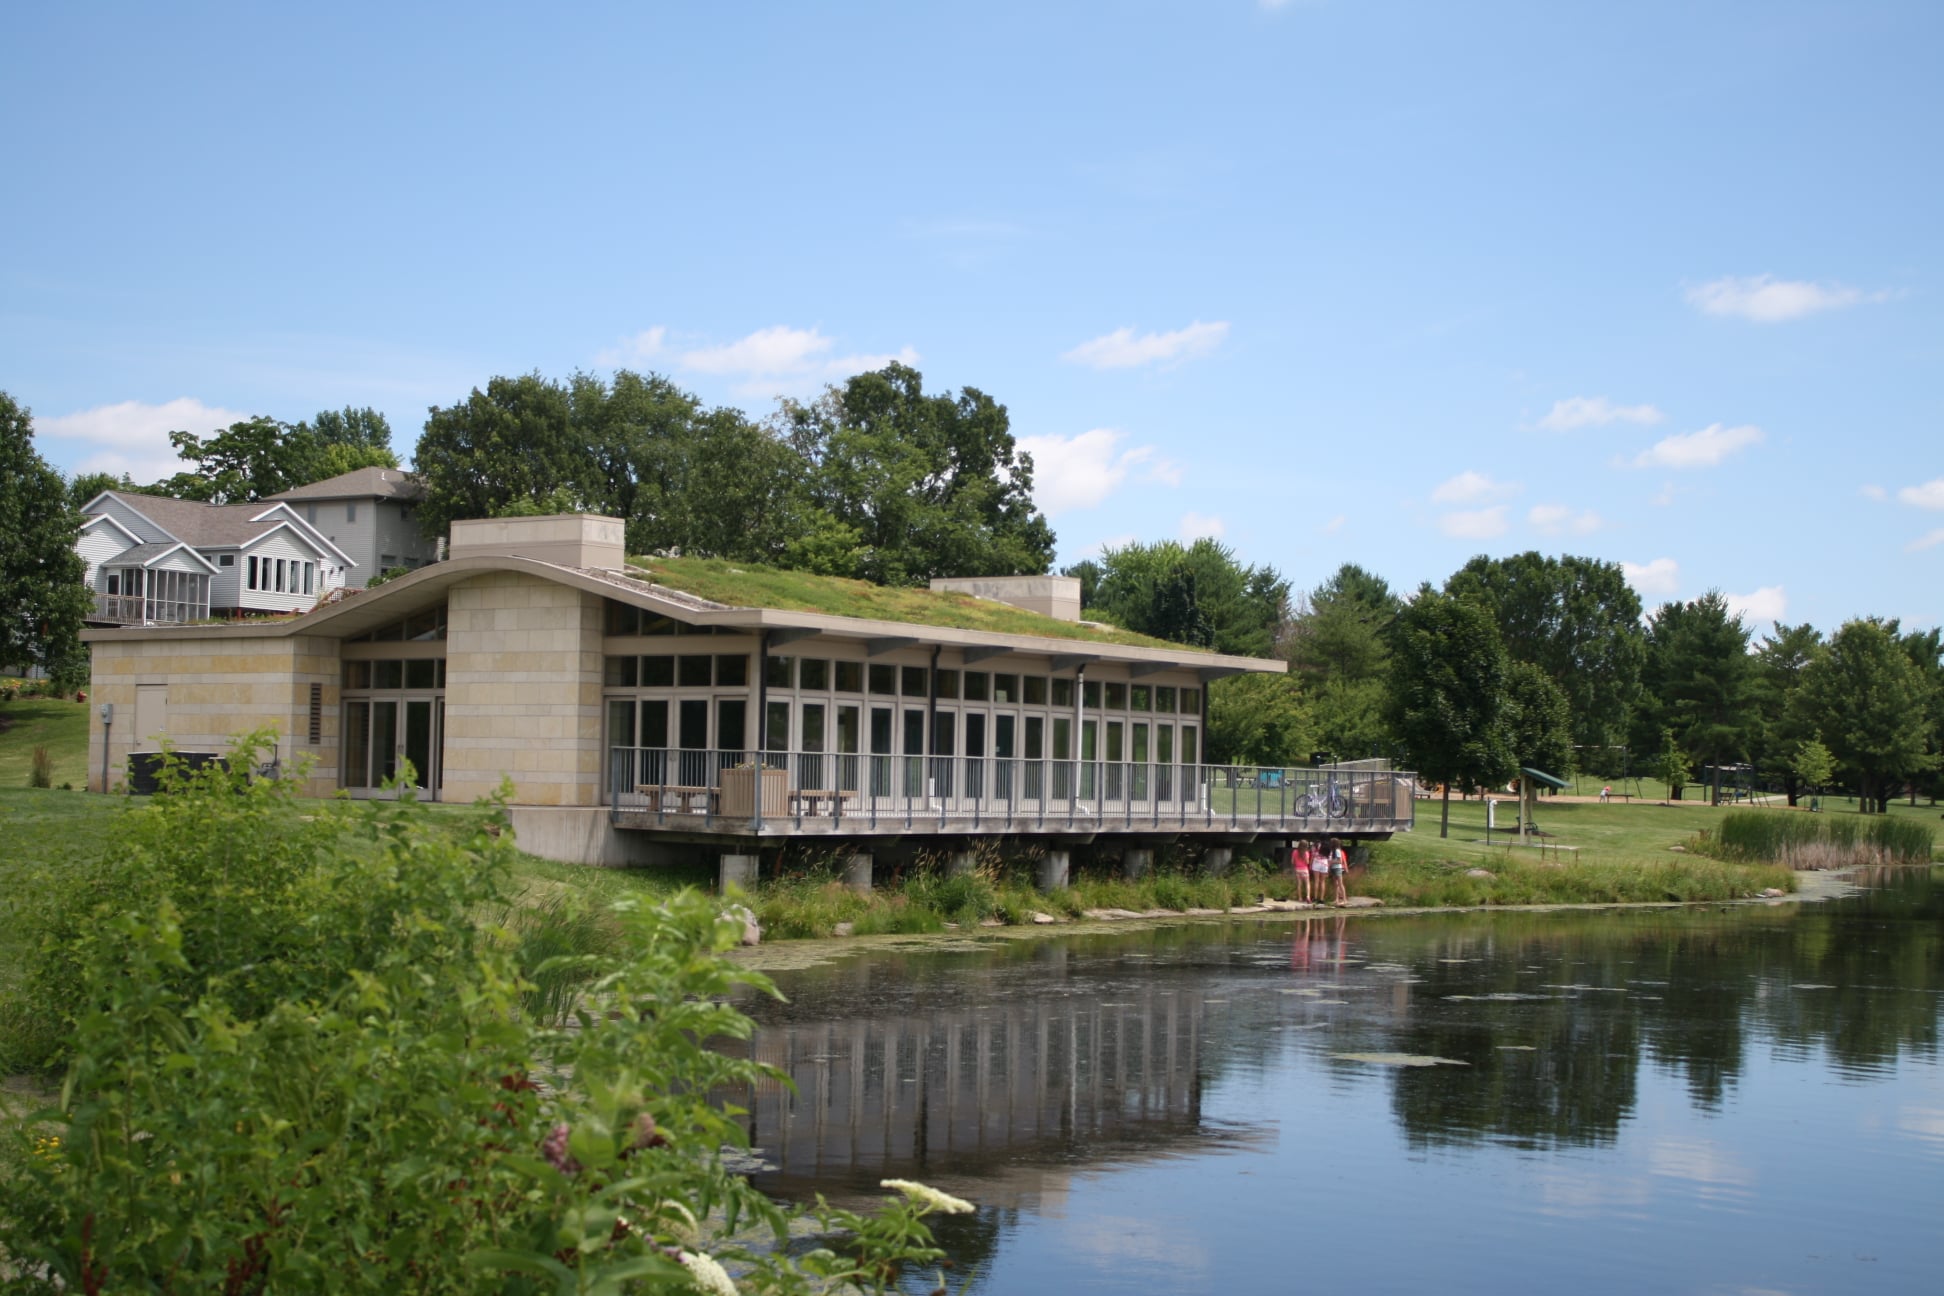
106 519
221 526
151 555
360 483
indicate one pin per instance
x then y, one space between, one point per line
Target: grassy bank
59 726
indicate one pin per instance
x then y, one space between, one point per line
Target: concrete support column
857 872
1136 864
1216 860
960 863
739 869
1054 868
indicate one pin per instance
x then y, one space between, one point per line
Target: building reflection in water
1019 1094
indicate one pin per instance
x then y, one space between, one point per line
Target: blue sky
1386 283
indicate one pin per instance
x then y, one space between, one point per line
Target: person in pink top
1299 862
1320 872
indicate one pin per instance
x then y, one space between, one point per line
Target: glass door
420 752
881 751
847 739
692 723
975 741
1002 756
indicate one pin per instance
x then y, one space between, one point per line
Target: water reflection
1606 1052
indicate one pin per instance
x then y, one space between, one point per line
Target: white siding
96 546
289 547
382 527
227 583
149 532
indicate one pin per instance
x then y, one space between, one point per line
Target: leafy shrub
300 1061
40 773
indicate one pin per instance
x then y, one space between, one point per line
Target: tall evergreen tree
1701 682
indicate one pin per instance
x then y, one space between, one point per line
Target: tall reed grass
1814 841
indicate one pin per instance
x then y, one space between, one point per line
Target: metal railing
140 609
850 792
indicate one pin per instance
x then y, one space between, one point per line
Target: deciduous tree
1447 701
1867 700
42 599
1140 589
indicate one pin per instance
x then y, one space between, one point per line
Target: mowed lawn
59 726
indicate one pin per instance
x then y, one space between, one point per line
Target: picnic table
680 798
812 801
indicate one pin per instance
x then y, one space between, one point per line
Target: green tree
1925 648
1577 619
1701 681
1540 719
928 485
1867 700
1780 659
1447 701
1670 765
1258 719
255 458
1813 765
83 487
42 599
1141 587
1337 646
514 440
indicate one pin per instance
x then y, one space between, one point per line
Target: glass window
419 673
732 671
1191 701
1090 695
623 619
1005 688
441 673
387 674
660 625
1036 690
357 675
978 686
621 722
658 672
850 677
1140 698
654 723
912 681
1164 698
884 679
620 672
1188 756
351 512
776 735
780 672
813 674
948 683
1117 697
1062 692
694 672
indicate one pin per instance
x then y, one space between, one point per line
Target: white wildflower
707 1275
930 1198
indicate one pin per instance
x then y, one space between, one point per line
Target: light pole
107 728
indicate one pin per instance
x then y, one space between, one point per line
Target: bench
810 801
680 798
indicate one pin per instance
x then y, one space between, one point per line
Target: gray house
369 513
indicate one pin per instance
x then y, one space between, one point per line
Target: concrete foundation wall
583 835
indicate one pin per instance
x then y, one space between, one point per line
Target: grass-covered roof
746 585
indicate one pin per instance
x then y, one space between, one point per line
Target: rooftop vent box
1054 596
563 539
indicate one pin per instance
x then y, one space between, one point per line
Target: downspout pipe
762 698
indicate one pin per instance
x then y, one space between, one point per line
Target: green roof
748 585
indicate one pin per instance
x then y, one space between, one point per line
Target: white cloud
1765 604
1596 411
1768 300
1876 493
1078 472
1124 349
1661 576
1196 525
133 437
639 349
1557 519
1702 449
1470 487
1664 497
1334 525
1923 542
781 357
1478 524
1928 496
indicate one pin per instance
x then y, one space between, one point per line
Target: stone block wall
212 690
523 690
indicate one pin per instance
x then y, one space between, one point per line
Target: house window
351 512
226 560
387 561
310 512
250 581
310 575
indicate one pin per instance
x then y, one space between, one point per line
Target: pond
1726 1099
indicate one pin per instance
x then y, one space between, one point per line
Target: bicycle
1328 801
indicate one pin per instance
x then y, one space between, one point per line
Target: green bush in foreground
298 1060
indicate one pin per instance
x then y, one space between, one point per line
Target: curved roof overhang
360 614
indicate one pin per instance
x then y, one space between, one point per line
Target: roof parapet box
1054 596
585 540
